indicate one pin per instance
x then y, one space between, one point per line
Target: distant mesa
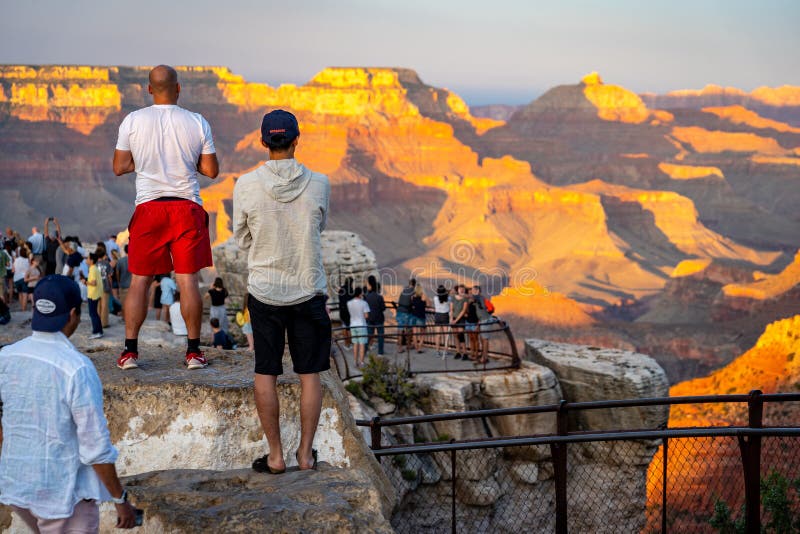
689 172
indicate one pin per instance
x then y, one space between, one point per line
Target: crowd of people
102 275
99 269
460 311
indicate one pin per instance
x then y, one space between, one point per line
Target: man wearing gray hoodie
279 212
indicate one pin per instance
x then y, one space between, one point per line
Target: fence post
559 453
664 460
453 484
750 447
375 434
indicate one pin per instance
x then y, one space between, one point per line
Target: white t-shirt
357 308
21 266
166 142
441 307
175 317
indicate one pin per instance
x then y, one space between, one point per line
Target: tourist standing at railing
441 308
458 318
404 318
486 321
345 294
359 312
376 317
419 303
472 328
279 212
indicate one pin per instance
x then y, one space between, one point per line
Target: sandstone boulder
595 374
188 501
343 255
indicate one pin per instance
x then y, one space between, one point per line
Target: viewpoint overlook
663 225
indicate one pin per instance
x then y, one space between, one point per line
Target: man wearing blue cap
279 212
57 461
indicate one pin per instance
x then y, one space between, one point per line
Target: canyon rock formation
516 483
576 208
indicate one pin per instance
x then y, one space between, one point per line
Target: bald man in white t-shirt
167 146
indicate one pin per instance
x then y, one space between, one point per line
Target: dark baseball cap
54 296
279 126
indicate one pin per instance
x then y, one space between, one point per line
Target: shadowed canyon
665 224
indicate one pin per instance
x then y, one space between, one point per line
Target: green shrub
389 382
399 461
355 389
777 504
443 437
409 474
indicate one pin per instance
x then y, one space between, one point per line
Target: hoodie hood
286 179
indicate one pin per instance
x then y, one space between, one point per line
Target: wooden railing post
750 447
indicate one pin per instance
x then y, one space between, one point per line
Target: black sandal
261 465
313 465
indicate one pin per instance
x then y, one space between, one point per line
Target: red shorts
167 235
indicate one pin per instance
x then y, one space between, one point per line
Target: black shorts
442 319
308 328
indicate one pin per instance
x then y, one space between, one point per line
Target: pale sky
491 51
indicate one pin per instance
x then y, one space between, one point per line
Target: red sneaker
195 360
127 360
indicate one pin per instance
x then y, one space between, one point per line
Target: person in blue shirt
168 289
57 460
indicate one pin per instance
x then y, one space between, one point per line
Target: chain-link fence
663 480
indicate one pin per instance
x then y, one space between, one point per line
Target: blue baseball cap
279 126
54 296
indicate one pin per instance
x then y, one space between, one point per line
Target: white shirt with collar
54 428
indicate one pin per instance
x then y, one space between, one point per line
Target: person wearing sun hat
57 460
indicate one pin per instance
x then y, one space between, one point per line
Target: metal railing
659 513
502 353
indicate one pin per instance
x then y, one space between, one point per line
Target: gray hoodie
279 211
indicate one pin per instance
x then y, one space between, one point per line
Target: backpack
404 302
487 304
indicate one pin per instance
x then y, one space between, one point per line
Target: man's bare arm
126 513
208 165
123 162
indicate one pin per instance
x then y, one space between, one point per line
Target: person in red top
167 146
